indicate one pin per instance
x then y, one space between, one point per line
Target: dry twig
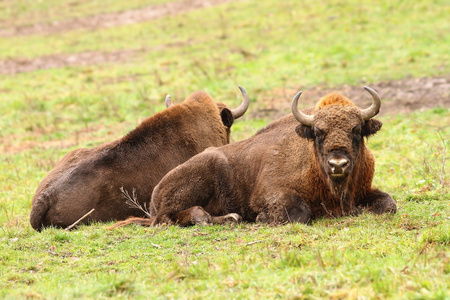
328 212
289 218
252 243
133 202
341 202
79 220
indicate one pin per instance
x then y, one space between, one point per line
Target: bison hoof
232 218
227 219
200 217
262 218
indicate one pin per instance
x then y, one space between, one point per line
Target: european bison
88 179
301 167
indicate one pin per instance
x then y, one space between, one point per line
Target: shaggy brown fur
92 178
334 99
282 174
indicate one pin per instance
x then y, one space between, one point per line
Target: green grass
29 12
372 256
411 153
263 46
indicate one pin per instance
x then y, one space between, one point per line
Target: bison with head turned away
311 164
87 179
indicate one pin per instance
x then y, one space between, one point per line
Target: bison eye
357 130
320 135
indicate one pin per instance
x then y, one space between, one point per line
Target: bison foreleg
379 202
196 215
182 194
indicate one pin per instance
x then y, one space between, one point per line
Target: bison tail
39 210
133 220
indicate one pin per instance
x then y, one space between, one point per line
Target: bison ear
371 127
305 131
227 117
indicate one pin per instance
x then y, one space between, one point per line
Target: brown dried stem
79 220
133 202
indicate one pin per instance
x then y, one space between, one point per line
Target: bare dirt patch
13 66
398 96
19 65
111 19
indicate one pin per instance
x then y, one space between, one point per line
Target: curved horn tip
294 105
299 116
374 109
168 101
369 89
239 111
297 96
242 90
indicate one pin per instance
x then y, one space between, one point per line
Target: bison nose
338 165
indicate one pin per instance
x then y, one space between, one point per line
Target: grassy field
30 12
264 46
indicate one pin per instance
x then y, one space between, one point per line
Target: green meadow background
271 48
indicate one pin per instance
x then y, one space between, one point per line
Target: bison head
337 129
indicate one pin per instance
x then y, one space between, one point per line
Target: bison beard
287 172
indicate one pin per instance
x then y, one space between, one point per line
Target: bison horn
239 111
374 108
169 102
301 117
